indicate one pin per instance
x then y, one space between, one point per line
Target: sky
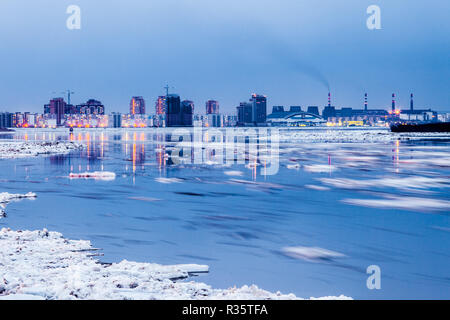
289 50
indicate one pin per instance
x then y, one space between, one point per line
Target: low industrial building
295 117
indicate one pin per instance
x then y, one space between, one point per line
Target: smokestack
393 102
412 102
365 102
329 99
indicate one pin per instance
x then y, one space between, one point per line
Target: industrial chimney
412 102
329 99
365 102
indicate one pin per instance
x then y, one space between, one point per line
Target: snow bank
20 149
43 264
97 175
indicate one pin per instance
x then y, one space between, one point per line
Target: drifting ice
10 150
97 175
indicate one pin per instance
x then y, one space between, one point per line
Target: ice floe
97 175
21 149
6 198
312 254
234 173
295 166
353 135
319 168
316 187
168 180
403 183
403 202
43 264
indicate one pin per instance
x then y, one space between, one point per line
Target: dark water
379 203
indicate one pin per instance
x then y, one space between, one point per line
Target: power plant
346 116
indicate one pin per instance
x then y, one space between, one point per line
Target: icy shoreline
21 149
45 265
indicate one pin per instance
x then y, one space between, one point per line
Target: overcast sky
225 50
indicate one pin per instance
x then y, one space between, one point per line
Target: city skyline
403 104
290 51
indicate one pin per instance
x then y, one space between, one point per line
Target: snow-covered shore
45 265
22 149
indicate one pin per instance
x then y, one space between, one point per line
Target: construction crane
68 92
167 89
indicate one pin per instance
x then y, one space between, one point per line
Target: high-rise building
6 120
161 105
137 105
244 113
187 112
92 106
116 120
173 112
393 102
212 107
259 109
56 108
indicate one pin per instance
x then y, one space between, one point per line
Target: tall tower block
393 102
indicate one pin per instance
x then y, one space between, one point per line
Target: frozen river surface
301 211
